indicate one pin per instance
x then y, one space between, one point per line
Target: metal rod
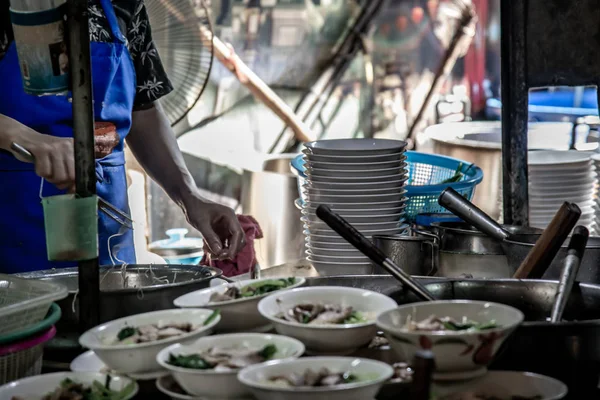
515 112
83 134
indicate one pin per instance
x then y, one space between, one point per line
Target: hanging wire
186 54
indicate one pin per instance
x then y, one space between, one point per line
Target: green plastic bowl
52 317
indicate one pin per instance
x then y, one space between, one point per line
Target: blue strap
109 12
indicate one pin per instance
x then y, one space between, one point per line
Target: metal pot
481 144
415 255
465 251
142 288
568 351
268 195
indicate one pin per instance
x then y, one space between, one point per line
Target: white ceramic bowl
333 251
367 212
396 157
329 233
140 358
341 269
38 386
224 384
455 351
325 190
325 339
551 158
168 386
364 225
506 384
355 146
340 259
236 315
374 373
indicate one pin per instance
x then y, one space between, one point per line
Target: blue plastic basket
423 189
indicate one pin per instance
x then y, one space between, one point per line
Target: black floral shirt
152 81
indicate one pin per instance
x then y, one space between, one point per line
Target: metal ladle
361 243
109 209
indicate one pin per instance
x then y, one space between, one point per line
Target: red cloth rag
246 258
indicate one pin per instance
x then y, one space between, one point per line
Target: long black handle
469 212
356 239
423 365
569 273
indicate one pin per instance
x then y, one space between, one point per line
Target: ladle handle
451 200
357 239
547 246
569 272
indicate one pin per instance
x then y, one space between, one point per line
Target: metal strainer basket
25 302
23 359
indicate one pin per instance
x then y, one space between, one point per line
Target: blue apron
22 238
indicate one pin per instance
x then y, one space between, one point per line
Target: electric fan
186 54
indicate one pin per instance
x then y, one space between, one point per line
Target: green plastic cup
71 226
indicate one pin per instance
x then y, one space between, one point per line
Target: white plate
328 259
307 189
333 251
335 206
355 146
373 184
583 180
374 219
366 232
351 173
359 180
319 225
552 158
167 385
362 166
396 157
89 362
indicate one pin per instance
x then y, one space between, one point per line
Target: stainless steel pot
481 144
568 351
138 289
466 252
415 255
268 195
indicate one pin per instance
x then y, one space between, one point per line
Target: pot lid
177 244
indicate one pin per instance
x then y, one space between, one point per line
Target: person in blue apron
128 79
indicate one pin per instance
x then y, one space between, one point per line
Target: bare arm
153 143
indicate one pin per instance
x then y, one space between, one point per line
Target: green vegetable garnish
126 333
212 317
468 325
97 391
355 318
268 351
349 378
268 286
193 361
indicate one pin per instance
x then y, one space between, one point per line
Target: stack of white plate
362 180
559 176
596 161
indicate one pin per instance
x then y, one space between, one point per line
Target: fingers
236 241
212 240
55 163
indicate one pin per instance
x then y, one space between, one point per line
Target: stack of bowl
596 161
556 177
362 180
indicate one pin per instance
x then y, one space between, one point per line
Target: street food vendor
128 80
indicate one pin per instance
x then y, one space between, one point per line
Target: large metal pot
465 251
268 195
569 351
481 144
134 290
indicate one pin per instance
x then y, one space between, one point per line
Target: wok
568 351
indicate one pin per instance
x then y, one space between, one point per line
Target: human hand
54 157
218 225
